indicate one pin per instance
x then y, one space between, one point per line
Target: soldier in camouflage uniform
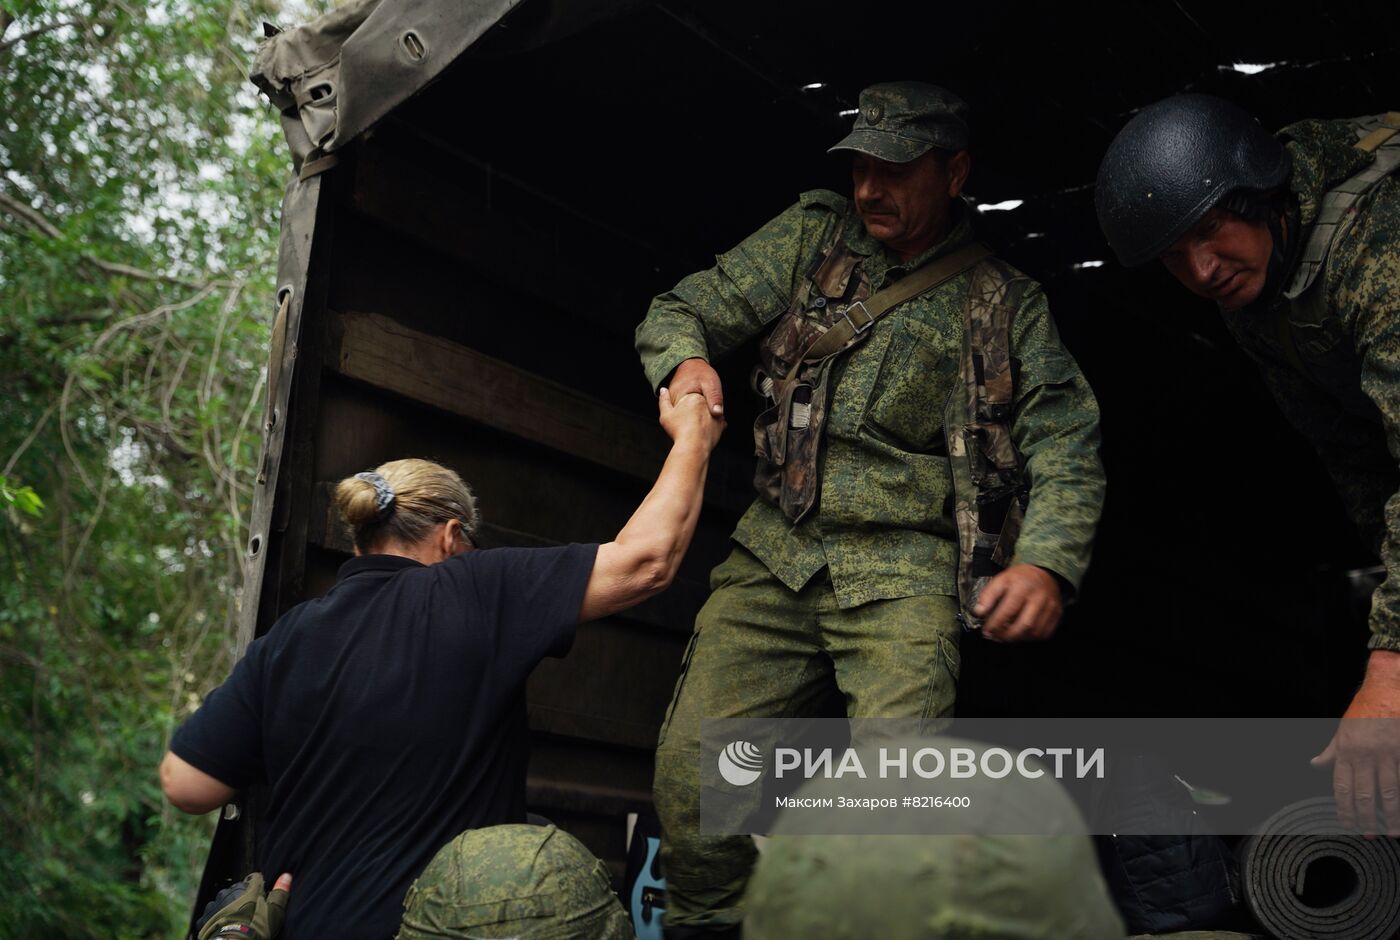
1297 240
517 881
846 570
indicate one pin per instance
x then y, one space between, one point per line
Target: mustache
875 208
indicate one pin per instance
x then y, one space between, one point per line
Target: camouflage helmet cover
901 121
1172 163
519 881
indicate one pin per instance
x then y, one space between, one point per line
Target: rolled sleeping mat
1304 877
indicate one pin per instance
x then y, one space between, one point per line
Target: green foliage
22 498
140 179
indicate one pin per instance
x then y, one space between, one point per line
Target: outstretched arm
643 559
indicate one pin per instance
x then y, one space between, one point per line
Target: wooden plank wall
472 336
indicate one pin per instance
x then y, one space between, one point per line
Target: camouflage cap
902 121
973 882
527 882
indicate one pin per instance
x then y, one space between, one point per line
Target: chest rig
794 382
1315 342
831 313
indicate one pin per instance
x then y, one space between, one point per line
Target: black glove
241 912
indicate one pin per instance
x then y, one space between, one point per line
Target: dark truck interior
484 253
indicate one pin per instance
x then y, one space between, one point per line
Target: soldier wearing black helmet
1297 239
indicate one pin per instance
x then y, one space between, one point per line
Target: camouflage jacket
1343 391
884 521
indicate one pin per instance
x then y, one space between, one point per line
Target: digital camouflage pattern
516 881
974 883
794 372
901 121
1343 390
890 658
884 523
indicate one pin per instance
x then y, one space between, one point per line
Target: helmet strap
1278 209
1284 223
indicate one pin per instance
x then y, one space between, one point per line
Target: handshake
688 418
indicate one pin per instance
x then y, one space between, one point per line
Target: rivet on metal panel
414 46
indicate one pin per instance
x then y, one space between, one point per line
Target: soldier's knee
676 786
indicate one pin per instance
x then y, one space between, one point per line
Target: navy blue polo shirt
384 719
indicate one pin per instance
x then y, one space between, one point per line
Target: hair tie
383 492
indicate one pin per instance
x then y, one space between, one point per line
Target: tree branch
36 220
38 31
22 211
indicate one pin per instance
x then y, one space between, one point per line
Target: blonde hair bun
357 501
402 500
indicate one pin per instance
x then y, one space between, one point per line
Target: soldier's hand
1365 752
688 417
697 375
241 911
1021 603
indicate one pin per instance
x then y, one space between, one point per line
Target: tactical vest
1315 342
990 490
788 432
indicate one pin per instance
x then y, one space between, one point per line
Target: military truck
485 194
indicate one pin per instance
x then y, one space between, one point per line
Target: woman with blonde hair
389 715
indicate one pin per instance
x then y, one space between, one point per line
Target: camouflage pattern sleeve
711 312
1056 428
1367 293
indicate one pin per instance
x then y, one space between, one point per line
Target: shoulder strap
987 370
1378 137
861 315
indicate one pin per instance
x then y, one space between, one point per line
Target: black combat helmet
1174 161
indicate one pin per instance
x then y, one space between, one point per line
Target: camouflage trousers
761 650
